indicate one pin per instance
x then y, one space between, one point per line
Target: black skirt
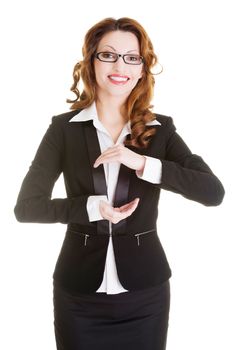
130 320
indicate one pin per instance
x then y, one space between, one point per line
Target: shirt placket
111 170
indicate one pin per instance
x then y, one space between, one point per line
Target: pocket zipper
137 235
86 236
82 234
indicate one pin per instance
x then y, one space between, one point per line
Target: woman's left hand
122 154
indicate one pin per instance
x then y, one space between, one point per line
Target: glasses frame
118 55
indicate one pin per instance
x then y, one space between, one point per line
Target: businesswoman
111 279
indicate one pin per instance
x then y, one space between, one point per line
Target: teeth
118 78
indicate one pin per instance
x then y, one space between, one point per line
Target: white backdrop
40 43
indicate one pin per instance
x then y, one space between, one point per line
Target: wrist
141 169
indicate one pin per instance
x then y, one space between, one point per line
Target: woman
111 280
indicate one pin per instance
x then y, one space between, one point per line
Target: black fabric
99 180
129 320
70 148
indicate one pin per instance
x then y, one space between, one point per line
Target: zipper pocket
137 235
85 235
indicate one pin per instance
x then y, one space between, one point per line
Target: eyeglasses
113 57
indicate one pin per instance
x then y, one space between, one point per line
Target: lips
118 79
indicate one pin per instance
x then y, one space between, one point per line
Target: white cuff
92 207
152 171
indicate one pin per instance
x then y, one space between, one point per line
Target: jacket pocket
84 235
141 234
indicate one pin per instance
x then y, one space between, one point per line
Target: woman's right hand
117 214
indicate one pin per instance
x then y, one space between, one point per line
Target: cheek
137 74
136 78
100 69
97 70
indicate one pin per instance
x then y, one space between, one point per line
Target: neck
110 111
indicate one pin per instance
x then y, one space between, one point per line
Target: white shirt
152 173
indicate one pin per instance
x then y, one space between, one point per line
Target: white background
40 43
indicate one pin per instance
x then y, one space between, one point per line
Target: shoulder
162 118
64 118
166 121
60 122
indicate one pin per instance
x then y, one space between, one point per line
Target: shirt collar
90 113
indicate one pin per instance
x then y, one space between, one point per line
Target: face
117 78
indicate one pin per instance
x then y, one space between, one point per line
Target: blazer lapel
121 195
98 173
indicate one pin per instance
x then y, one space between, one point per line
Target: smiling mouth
117 79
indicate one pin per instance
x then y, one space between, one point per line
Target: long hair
137 106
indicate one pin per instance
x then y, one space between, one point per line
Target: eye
133 58
107 55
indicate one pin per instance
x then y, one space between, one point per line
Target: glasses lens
133 59
107 56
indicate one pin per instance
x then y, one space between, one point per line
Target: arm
34 203
152 170
186 173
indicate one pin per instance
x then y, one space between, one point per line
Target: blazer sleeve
34 203
186 173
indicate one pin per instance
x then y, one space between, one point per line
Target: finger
112 157
107 152
109 159
111 152
110 213
133 202
130 209
124 213
116 214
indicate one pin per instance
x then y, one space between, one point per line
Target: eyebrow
115 50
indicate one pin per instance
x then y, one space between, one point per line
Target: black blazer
72 148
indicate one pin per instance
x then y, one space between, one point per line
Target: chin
124 94
119 90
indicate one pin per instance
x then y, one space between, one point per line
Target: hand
122 154
117 214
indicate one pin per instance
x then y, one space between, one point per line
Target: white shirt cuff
92 207
152 171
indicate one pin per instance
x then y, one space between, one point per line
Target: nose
119 63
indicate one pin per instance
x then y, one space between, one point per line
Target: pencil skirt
129 320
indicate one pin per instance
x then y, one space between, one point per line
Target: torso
115 136
114 132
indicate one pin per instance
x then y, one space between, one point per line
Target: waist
88 235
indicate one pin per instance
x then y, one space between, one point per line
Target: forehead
120 41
